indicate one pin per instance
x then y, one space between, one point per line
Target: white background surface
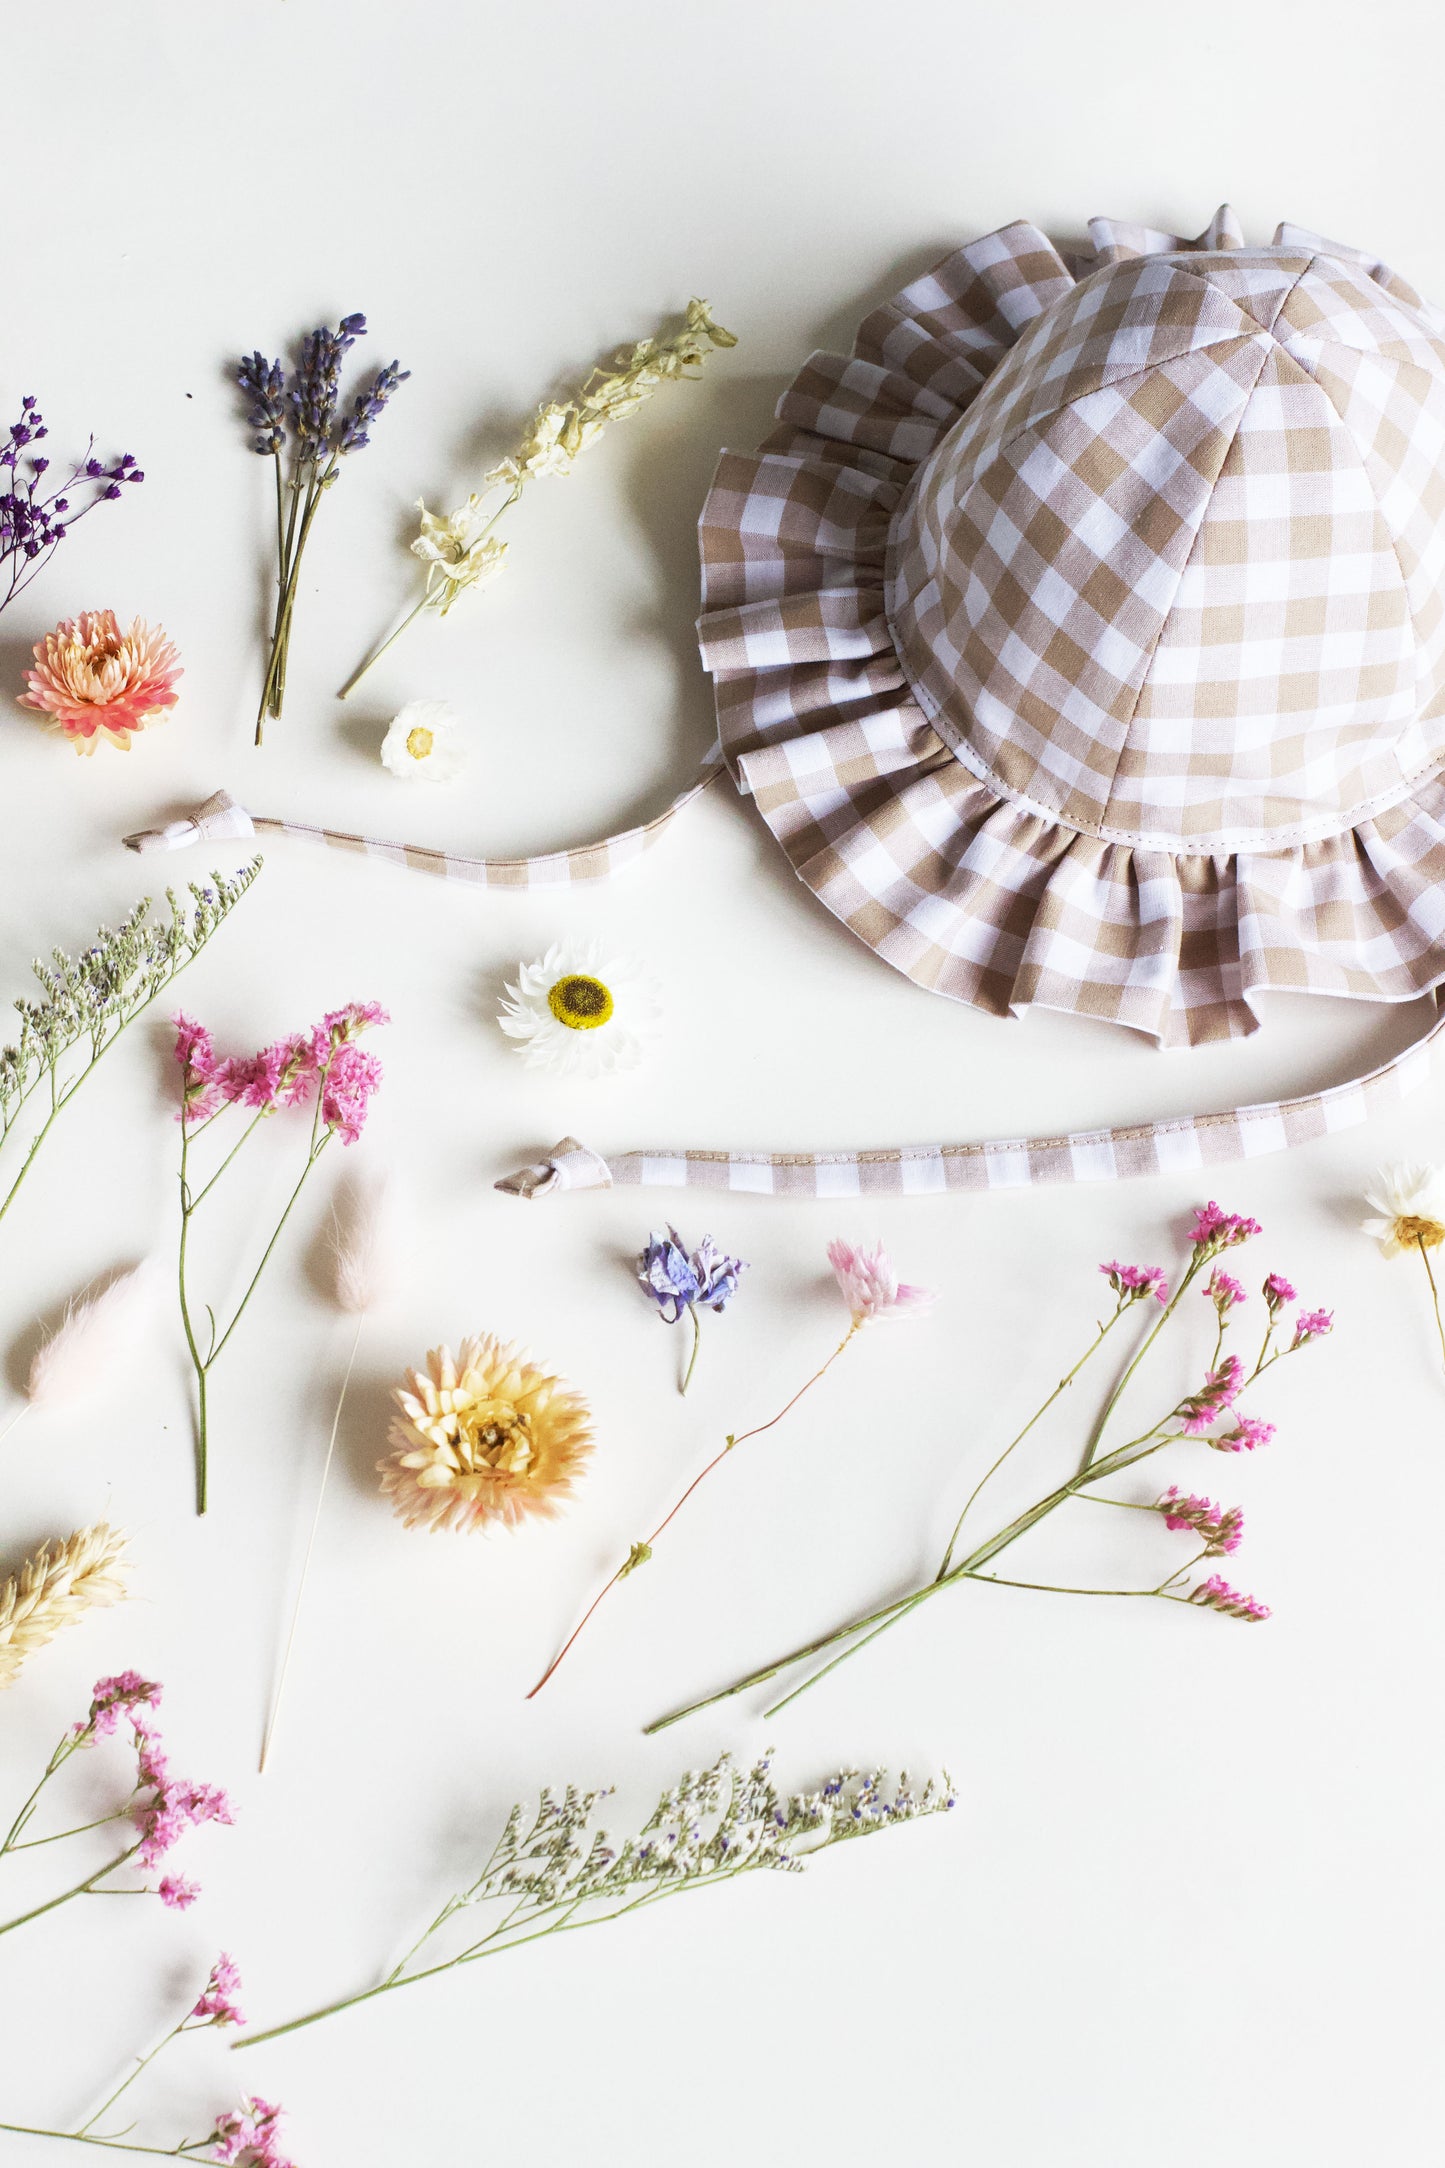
1187 1909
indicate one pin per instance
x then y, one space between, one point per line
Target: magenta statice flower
1133 1283
1249 1432
218 2003
177 1892
1277 1291
123 1694
1221 1527
1215 1594
349 1082
1213 1229
1201 1409
248 2137
1312 1325
1223 1290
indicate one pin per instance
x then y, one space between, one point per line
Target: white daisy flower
421 743
579 1013
1411 1205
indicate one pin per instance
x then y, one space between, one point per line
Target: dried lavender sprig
87 1001
554 1872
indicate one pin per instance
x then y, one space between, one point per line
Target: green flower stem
696 1344
185 2151
143 2062
646 1547
81 1889
428 600
1096 1436
1434 1293
1042 1410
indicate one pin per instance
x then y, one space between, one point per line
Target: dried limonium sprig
680 1282
37 508
872 1290
155 1813
57 1585
304 411
1210 1415
552 1870
324 1068
460 549
1408 1208
364 1243
86 1002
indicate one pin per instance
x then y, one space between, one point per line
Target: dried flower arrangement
36 513
1210 1415
482 1437
87 1001
157 1811
679 1282
307 405
57 1585
160 1808
323 1067
551 1871
1408 1208
99 684
872 1290
460 549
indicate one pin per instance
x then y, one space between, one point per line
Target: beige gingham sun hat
1081 635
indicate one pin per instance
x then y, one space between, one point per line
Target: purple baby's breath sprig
303 409
36 510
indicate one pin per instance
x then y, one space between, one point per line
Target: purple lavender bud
368 404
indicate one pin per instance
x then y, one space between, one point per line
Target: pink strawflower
174 1890
1277 1291
1215 1594
870 1286
1213 1229
218 2004
1249 1432
96 682
1222 1527
1312 1325
350 1078
1223 1290
1133 1283
1200 1409
249 2137
126 1693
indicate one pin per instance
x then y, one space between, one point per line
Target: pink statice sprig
1136 1283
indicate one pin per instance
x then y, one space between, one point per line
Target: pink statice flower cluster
122 1694
1221 1527
288 1073
1224 1291
1199 1411
1213 1230
1312 1325
870 1286
1135 1283
1249 1432
1278 1291
249 2137
166 1806
218 2003
1215 1594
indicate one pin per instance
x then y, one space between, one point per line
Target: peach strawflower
483 1436
96 681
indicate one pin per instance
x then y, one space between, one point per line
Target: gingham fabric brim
956 883
222 818
1184 1144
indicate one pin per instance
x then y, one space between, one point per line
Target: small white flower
578 1013
1411 1204
421 743
457 551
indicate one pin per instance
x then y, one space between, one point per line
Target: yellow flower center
1424 1234
579 1002
419 742
494 1434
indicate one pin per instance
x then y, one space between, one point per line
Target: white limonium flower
421 743
579 1013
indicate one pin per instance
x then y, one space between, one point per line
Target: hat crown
1177 576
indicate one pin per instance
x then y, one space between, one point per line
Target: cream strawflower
578 1013
421 743
485 1435
1410 1202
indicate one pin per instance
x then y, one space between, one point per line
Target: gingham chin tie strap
1182 1144
222 817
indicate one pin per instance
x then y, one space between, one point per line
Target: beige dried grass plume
57 1586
